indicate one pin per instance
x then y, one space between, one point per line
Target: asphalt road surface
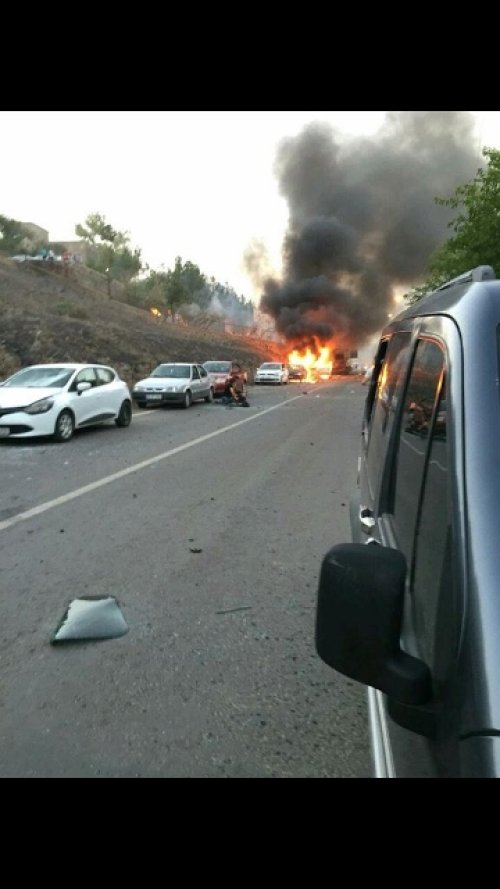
208 527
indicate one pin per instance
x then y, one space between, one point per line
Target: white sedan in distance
55 399
272 372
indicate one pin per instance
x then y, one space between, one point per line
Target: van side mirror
358 621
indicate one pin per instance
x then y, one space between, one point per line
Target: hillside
67 315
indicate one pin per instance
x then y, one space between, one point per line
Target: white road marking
72 495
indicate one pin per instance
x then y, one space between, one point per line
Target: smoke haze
363 221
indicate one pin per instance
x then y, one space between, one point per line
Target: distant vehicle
56 399
340 363
24 257
272 372
410 608
322 373
174 383
220 371
297 372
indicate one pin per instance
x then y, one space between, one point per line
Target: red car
220 371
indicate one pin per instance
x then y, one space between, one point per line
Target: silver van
411 607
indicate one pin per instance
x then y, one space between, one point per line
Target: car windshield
270 367
41 377
218 367
174 371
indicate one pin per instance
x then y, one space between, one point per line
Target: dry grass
47 315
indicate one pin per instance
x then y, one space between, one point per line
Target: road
208 527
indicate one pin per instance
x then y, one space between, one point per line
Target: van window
435 607
384 391
411 447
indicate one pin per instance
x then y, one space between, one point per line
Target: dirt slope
49 315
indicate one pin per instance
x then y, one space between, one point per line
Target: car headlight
40 407
138 389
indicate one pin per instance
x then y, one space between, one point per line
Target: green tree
12 235
187 291
98 231
111 251
125 264
476 227
166 289
193 279
175 291
176 287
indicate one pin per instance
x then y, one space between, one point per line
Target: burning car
321 373
297 372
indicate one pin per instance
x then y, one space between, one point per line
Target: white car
55 399
271 372
174 383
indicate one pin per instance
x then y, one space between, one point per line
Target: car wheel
65 426
210 397
124 418
188 399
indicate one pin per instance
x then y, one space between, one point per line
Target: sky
197 184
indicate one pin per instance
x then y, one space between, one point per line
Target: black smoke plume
363 221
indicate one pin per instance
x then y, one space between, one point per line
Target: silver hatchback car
411 608
174 383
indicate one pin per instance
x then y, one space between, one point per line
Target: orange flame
317 366
155 312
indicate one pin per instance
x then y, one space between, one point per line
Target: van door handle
366 519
